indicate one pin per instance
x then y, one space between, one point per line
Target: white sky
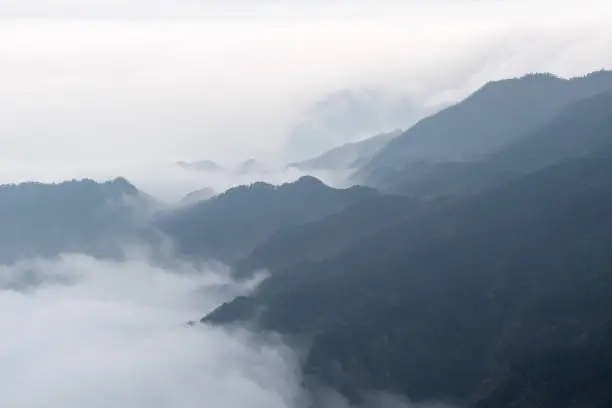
93 84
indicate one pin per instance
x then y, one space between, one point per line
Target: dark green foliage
231 224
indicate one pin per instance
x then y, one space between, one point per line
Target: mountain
198 195
348 116
495 115
329 235
500 299
201 165
230 225
348 156
85 216
581 129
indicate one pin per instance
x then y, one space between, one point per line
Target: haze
79 331
94 87
108 88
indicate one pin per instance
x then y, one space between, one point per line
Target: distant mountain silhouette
492 117
84 216
231 224
581 129
348 116
198 195
201 165
348 156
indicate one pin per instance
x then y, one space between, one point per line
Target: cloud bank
78 332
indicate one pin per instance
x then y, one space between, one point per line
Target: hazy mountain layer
231 224
495 115
348 156
349 116
581 129
80 216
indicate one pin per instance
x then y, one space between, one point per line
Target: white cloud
100 85
77 332
295 9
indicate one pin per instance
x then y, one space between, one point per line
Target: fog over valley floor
80 331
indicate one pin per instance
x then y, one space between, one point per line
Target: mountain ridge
347 156
404 331
45 219
478 125
578 130
229 225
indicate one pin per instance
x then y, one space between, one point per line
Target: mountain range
230 225
474 270
491 292
349 156
74 216
498 300
485 122
347 116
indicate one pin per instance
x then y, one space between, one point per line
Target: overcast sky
88 84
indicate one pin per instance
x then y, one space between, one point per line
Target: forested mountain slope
582 129
85 216
323 238
501 299
492 117
230 225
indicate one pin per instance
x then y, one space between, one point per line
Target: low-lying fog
83 332
80 332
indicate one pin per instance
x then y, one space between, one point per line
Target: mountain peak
199 195
122 184
308 181
526 82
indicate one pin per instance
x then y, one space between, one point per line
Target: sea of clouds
84 332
